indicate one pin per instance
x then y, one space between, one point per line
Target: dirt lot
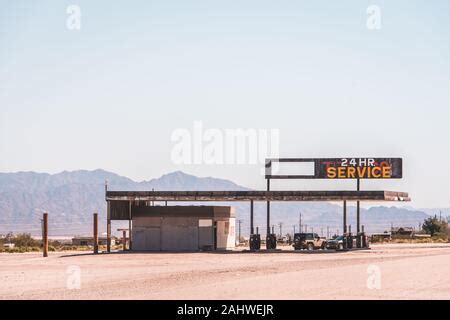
401 271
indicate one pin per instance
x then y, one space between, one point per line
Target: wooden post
130 221
108 227
95 233
251 217
45 235
124 239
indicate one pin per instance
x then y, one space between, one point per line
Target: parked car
309 241
336 243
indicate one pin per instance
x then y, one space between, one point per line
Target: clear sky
111 94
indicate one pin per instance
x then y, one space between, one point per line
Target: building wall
175 232
226 233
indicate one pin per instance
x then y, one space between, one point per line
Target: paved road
385 272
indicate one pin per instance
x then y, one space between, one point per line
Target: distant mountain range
70 198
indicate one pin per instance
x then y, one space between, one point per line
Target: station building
178 228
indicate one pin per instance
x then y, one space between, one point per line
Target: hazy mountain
443 212
72 197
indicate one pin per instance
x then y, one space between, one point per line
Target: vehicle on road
309 241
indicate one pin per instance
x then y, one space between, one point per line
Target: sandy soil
403 271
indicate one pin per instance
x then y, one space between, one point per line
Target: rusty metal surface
120 210
255 196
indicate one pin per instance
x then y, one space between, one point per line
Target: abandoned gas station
177 228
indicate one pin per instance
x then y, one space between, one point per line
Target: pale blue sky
110 95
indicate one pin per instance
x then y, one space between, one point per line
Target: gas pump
271 240
255 242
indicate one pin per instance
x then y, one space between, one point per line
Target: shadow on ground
220 252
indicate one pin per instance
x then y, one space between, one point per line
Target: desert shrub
433 226
16 250
25 240
66 248
441 236
402 240
55 243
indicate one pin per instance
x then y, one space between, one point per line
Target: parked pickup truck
309 241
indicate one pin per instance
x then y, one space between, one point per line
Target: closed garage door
172 234
179 237
147 238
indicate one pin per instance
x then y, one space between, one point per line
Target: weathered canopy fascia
257 196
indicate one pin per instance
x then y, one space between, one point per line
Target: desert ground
403 271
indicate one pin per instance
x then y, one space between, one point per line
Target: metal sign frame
342 168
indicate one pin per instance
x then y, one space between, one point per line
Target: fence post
45 235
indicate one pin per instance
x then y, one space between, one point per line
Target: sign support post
357 210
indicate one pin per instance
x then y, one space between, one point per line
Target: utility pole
153 202
108 226
280 225
294 228
306 228
328 232
300 221
321 231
